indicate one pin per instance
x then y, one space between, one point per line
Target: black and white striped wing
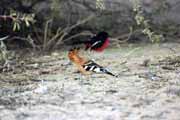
94 67
96 44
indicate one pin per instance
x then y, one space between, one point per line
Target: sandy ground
57 92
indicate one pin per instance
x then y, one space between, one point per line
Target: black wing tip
103 33
109 73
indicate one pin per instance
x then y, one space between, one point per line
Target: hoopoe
86 66
96 43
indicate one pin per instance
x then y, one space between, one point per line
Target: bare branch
62 33
4 38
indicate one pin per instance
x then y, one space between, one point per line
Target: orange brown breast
75 58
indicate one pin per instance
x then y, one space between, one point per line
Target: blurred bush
153 20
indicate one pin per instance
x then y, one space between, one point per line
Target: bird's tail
110 73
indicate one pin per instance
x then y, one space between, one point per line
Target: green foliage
19 18
55 5
56 8
145 23
100 4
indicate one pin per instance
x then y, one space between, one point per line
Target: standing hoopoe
86 66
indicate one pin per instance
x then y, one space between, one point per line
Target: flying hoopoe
97 43
86 66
